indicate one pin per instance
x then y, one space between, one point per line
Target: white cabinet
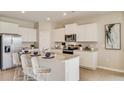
72 69
87 32
71 29
9 28
81 33
87 59
28 34
59 35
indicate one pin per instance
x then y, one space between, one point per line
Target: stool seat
39 71
17 63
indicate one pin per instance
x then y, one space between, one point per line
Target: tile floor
85 75
100 75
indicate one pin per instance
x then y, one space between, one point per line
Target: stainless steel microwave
70 38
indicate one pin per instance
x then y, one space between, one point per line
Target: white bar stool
17 64
39 71
27 68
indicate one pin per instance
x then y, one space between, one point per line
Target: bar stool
39 70
27 68
17 64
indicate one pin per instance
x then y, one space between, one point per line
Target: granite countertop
65 56
95 50
59 57
86 50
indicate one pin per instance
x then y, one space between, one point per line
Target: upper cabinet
84 33
28 34
59 35
9 28
87 33
71 29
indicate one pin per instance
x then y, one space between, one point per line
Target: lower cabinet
72 69
88 59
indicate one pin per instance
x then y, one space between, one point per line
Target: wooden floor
85 75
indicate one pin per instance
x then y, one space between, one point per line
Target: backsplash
89 44
83 44
27 44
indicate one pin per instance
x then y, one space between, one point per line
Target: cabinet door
59 35
72 69
28 34
87 32
88 59
71 29
8 28
81 33
23 34
32 36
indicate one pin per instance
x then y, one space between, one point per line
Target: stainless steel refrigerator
9 43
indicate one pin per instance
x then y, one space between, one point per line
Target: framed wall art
113 36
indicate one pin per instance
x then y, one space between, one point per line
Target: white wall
44 38
45 34
113 59
110 58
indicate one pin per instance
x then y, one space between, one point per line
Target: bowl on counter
35 53
48 55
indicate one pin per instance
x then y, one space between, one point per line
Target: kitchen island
64 67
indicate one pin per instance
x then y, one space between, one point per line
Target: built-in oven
70 38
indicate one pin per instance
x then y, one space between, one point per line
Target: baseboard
111 69
91 68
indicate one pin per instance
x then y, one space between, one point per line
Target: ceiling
41 16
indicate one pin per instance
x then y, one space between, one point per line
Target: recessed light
48 18
64 14
23 12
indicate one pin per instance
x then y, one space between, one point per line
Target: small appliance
70 38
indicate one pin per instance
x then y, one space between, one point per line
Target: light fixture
64 14
48 18
23 12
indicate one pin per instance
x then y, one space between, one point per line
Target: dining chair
27 68
40 72
17 64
